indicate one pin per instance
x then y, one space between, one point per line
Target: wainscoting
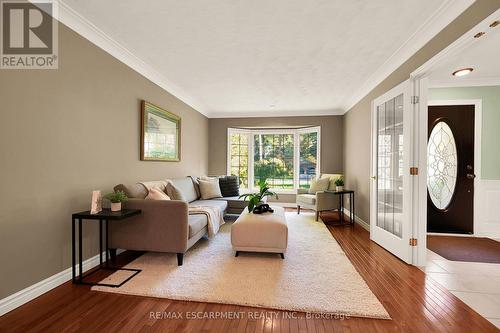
487 221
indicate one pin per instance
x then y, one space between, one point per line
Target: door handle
471 176
373 177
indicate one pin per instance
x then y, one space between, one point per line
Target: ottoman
266 232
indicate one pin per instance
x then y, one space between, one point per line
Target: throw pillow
156 194
209 189
229 186
174 193
319 185
196 186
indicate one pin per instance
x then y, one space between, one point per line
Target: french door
391 188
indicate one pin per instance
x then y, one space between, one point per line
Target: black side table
105 215
341 204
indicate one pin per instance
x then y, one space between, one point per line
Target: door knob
471 176
373 177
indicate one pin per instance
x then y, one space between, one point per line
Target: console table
105 215
341 205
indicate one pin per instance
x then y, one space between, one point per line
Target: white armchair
319 201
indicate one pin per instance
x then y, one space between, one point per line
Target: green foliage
271 168
339 181
255 198
115 197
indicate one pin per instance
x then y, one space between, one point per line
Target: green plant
115 197
256 198
339 181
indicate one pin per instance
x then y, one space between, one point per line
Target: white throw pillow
318 185
210 189
156 194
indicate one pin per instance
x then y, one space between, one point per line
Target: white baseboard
358 220
27 294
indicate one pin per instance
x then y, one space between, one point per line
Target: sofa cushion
306 198
186 187
209 189
133 191
229 186
211 203
196 224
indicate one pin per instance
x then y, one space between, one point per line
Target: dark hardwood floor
415 302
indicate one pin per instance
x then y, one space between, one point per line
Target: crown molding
276 113
462 43
443 16
76 22
472 82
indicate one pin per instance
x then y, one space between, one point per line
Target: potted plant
255 199
339 184
116 199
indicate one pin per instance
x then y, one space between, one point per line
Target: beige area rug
315 276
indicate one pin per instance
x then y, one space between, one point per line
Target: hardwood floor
415 302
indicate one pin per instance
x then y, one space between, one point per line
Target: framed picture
160 134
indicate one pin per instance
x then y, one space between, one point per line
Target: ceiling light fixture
463 72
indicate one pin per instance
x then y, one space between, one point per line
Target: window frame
296 152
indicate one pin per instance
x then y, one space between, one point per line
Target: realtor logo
28 35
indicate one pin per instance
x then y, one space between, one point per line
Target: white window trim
296 152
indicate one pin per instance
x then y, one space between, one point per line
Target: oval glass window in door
441 165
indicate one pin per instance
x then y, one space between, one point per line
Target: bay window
287 158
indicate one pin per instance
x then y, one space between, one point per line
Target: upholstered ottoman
266 232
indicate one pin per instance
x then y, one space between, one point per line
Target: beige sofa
164 225
319 201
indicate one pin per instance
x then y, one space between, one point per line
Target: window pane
273 160
308 158
239 158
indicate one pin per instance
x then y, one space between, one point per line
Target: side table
341 204
105 215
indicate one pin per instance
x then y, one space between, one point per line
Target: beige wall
357 120
331 140
64 133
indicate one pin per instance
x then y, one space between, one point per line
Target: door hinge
414 171
413 242
414 99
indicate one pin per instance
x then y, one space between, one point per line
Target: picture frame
160 134
96 203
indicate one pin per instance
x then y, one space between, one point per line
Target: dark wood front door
450 182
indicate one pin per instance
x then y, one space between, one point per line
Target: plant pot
339 188
116 206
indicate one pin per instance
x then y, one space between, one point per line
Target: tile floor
476 284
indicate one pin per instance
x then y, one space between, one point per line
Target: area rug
473 249
315 276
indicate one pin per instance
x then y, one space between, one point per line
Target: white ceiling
483 55
267 57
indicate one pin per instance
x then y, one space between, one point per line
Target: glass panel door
391 188
390 165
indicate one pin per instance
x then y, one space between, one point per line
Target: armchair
319 201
